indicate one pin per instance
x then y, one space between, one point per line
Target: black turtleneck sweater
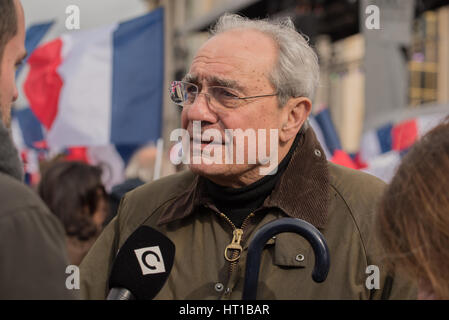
238 203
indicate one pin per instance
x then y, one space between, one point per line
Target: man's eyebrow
228 83
190 78
215 81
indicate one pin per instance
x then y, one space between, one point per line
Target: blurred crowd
75 193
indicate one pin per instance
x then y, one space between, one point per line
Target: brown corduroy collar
301 192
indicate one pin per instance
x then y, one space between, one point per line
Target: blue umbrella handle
301 227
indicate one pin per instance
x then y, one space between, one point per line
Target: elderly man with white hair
252 159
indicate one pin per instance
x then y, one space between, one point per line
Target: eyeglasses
184 94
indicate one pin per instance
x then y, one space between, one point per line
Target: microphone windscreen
143 263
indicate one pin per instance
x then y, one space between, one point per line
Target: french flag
327 135
382 149
102 86
398 137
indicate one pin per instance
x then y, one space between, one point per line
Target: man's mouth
207 142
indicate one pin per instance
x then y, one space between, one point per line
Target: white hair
296 72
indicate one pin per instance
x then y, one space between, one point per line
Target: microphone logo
150 260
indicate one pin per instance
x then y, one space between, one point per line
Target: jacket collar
301 192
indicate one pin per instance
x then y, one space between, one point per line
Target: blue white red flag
101 86
381 149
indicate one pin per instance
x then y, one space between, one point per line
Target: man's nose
200 110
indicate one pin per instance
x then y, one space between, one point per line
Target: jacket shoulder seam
21 210
354 220
158 207
150 213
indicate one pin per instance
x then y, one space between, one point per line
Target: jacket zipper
235 245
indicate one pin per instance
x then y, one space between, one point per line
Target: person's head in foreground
413 219
75 194
12 53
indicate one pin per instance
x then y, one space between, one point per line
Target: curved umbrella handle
301 227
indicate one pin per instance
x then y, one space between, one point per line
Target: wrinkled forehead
235 54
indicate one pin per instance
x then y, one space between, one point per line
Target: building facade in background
429 63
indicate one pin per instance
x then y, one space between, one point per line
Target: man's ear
296 112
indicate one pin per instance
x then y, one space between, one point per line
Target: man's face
13 55
244 58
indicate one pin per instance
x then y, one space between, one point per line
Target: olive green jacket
33 254
340 202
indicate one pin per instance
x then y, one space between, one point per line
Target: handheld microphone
301 227
141 266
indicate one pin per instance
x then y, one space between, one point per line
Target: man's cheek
184 121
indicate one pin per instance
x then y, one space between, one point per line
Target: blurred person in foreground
139 171
33 257
75 194
252 75
413 220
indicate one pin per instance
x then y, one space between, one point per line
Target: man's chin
209 170
223 174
